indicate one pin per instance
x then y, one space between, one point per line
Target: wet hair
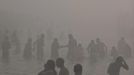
50 64
60 60
78 68
119 59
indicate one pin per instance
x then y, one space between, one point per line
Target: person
61 66
79 54
72 45
114 68
124 48
54 49
28 50
49 68
40 47
78 69
114 53
6 45
101 48
16 42
92 51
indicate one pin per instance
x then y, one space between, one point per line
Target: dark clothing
40 48
71 48
101 49
28 51
5 49
51 72
54 50
114 68
64 71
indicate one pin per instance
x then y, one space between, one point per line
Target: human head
50 65
122 38
42 35
119 59
55 39
78 69
98 40
92 41
70 36
79 45
113 48
29 39
60 62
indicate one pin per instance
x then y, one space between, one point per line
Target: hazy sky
86 18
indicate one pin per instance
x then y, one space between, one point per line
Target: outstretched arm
63 46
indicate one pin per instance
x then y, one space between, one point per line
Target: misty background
85 19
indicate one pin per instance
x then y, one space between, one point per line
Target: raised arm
125 66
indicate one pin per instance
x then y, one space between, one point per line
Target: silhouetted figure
101 48
114 53
16 42
54 49
72 45
49 68
124 48
114 68
27 55
63 69
6 45
40 47
92 51
78 69
79 53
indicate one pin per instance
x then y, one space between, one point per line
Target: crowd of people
97 50
50 67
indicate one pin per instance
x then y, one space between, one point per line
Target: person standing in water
27 55
55 49
101 49
6 45
92 51
114 68
78 69
39 45
61 66
16 42
79 54
72 45
114 53
49 68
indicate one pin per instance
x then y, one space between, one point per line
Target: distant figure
78 69
79 53
27 55
101 48
124 48
63 69
16 42
6 45
72 45
55 49
49 68
114 68
40 47
92 51
114 53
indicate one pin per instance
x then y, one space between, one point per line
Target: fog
87 20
